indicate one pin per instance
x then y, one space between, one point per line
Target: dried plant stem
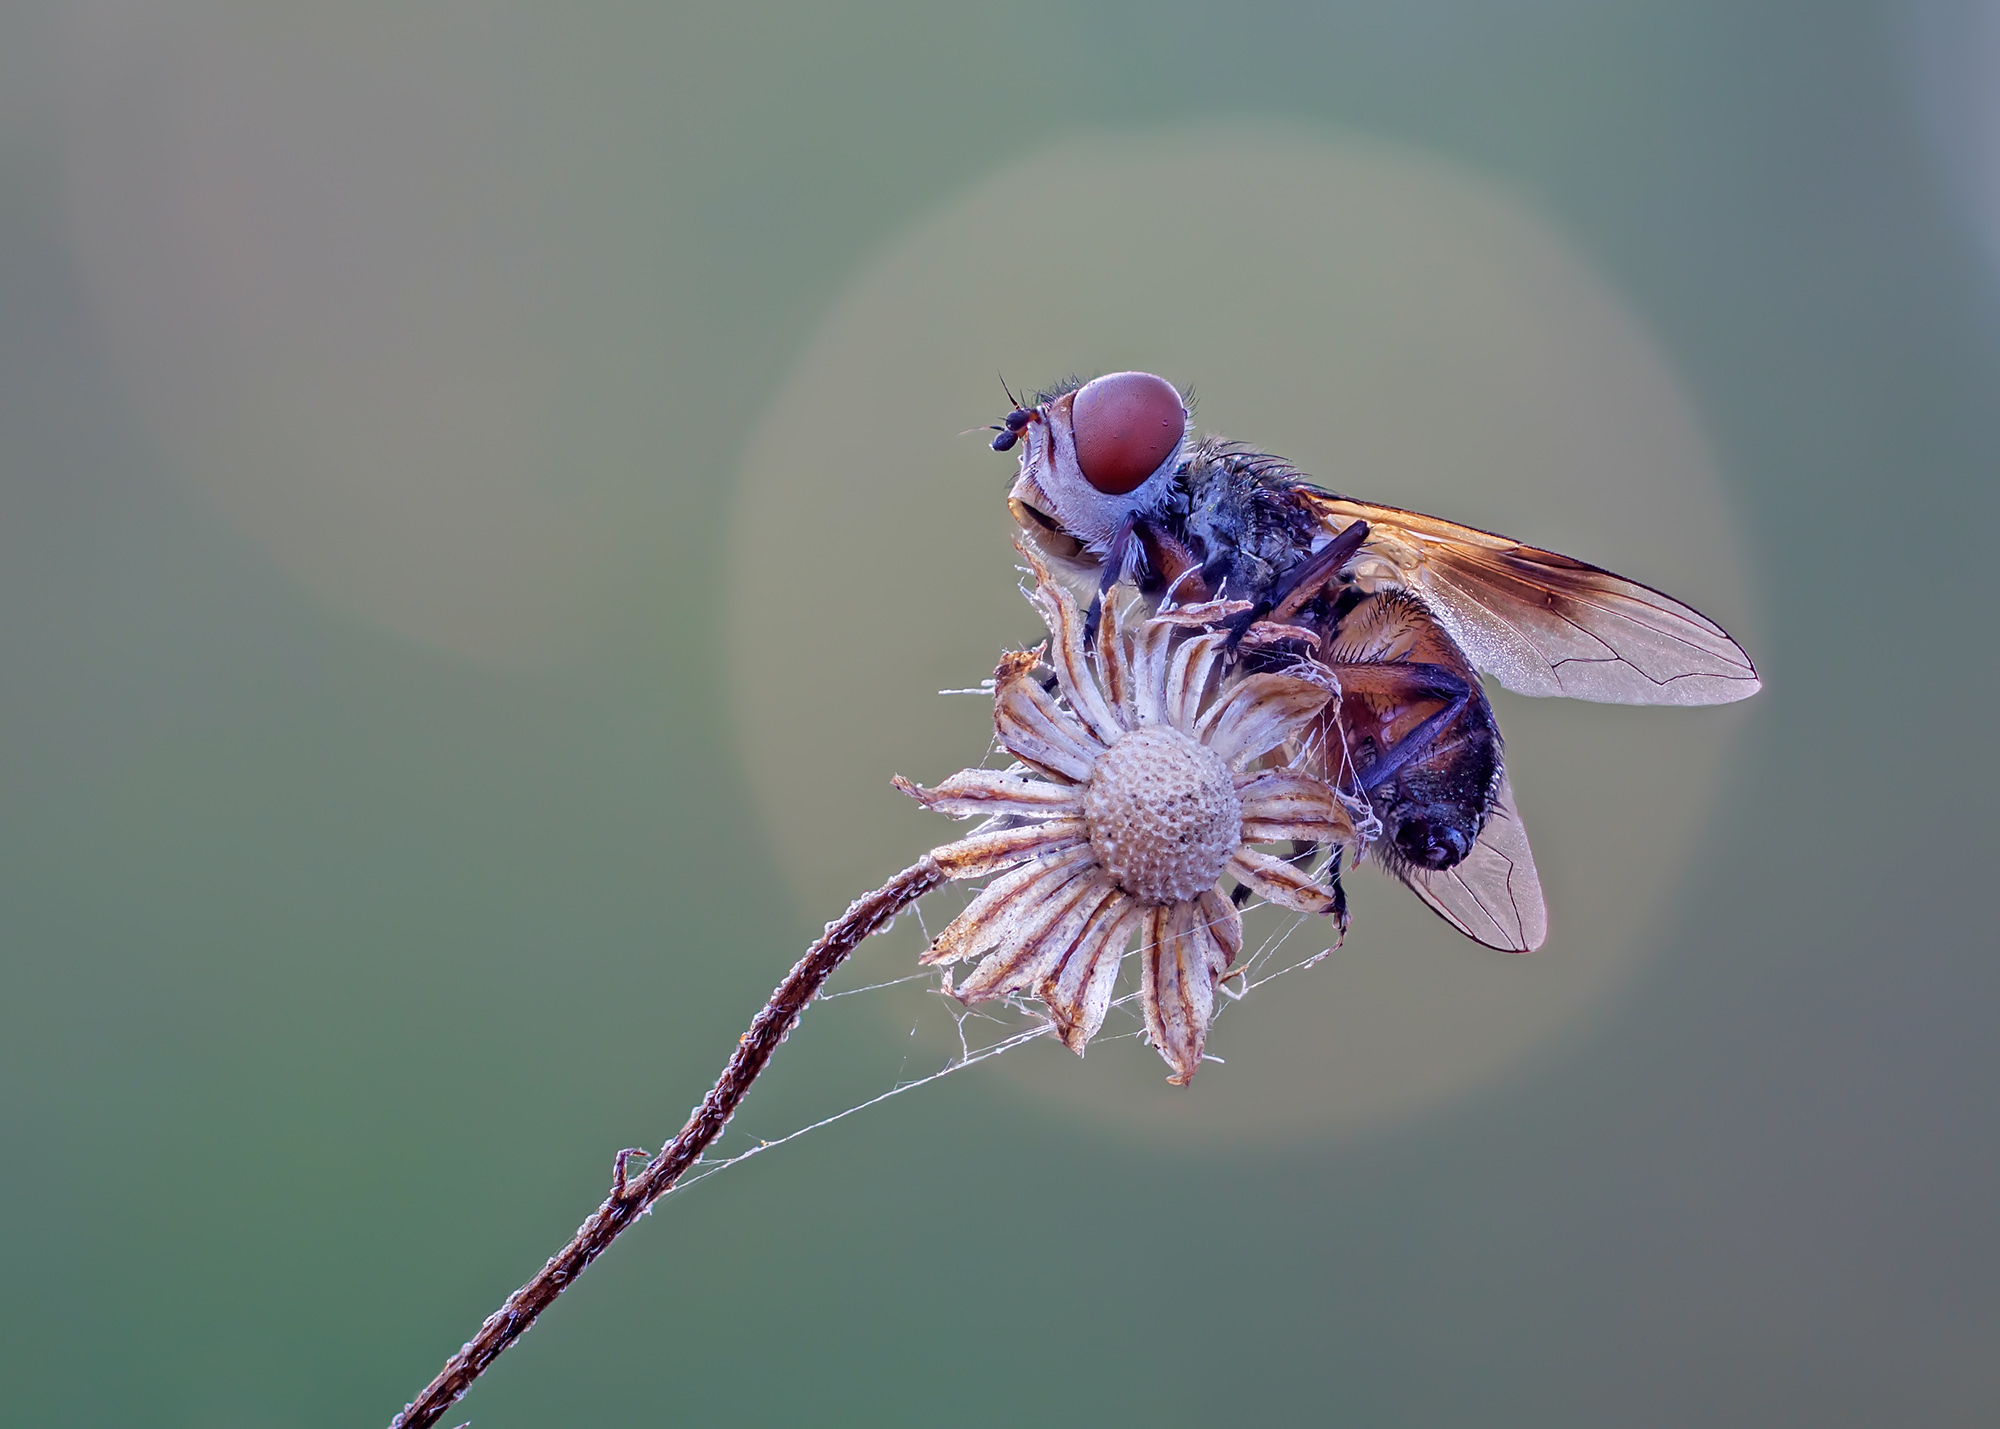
630 1198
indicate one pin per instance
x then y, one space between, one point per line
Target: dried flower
1150 789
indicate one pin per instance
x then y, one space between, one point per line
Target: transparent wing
1543 624
1494 895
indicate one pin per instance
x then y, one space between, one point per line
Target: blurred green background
379 847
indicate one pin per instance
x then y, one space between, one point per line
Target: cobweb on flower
984 1032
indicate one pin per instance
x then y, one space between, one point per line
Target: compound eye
1125 425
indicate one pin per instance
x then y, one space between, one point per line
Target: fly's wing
1543 624
1493 895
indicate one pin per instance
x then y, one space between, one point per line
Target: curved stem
630 1198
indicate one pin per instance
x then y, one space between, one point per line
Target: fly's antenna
1012 406
1018 417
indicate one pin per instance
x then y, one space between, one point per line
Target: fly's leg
1123 545
1301 583
1301 855
1339 892
1406 682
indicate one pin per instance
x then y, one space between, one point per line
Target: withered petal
1073 672
978 926
989 792
1209 614
1273 632
1224 924
1033 728
1272 831
1177 989
1078 992
1292 804
991 916
977 855
1202 615
1038 941
1258 714
1277 789
1187 679
1208 953
1276 881
1114 664
1150 647
1313 673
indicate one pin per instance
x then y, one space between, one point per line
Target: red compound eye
1125 425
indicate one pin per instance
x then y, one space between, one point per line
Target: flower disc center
1163 814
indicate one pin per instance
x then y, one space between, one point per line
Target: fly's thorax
1243 517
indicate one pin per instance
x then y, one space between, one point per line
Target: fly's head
1094 456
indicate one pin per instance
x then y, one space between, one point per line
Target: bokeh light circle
1405 331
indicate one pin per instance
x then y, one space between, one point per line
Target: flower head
1137 791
